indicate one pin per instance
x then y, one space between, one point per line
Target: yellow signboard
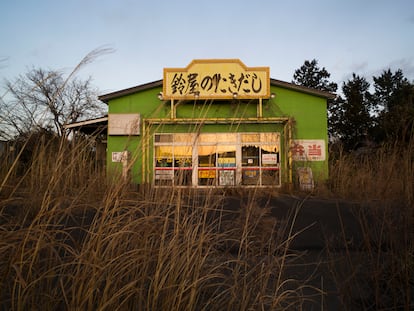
206 174
216 79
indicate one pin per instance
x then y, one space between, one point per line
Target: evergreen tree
351 120
310 75
394 97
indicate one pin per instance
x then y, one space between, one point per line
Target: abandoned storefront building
217 123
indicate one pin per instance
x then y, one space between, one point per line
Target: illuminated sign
216 79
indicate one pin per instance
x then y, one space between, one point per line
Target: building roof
287 85
303 89
107 97
91 126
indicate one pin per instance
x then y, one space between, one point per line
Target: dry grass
71 241
377 274
383 173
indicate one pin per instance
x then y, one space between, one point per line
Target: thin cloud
406 65
358 67
4 62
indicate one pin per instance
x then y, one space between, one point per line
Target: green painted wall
311 122
147 104
308 111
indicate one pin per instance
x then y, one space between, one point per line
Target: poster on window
206 174
308 150
164 174
269 159
226 178
226 162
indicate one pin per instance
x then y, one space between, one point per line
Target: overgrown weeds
69 240
377 274
382 173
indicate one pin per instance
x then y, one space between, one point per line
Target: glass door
250 161
217 163
270 165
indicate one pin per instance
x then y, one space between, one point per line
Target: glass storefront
173 164
217 159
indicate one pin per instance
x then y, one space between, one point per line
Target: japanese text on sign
206 79
308 150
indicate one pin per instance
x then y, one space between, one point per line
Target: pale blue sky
361 36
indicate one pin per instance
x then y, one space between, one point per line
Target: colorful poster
226 162
206 174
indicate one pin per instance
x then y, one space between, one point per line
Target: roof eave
142 87
303 89
89 122
107 97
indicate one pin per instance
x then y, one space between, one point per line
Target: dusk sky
361 36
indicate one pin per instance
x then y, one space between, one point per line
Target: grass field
70 240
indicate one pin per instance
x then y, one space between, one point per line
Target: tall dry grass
378 272
70 240
382 173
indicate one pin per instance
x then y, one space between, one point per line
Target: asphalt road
327 237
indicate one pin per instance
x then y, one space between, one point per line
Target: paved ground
318 223
327 237
319 219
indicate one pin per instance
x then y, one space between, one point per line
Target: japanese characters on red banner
308 150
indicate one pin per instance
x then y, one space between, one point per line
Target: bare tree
46 100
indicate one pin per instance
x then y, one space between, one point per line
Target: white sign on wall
124 124
119 156
308 150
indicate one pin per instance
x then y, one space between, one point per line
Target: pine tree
310 75
394 97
